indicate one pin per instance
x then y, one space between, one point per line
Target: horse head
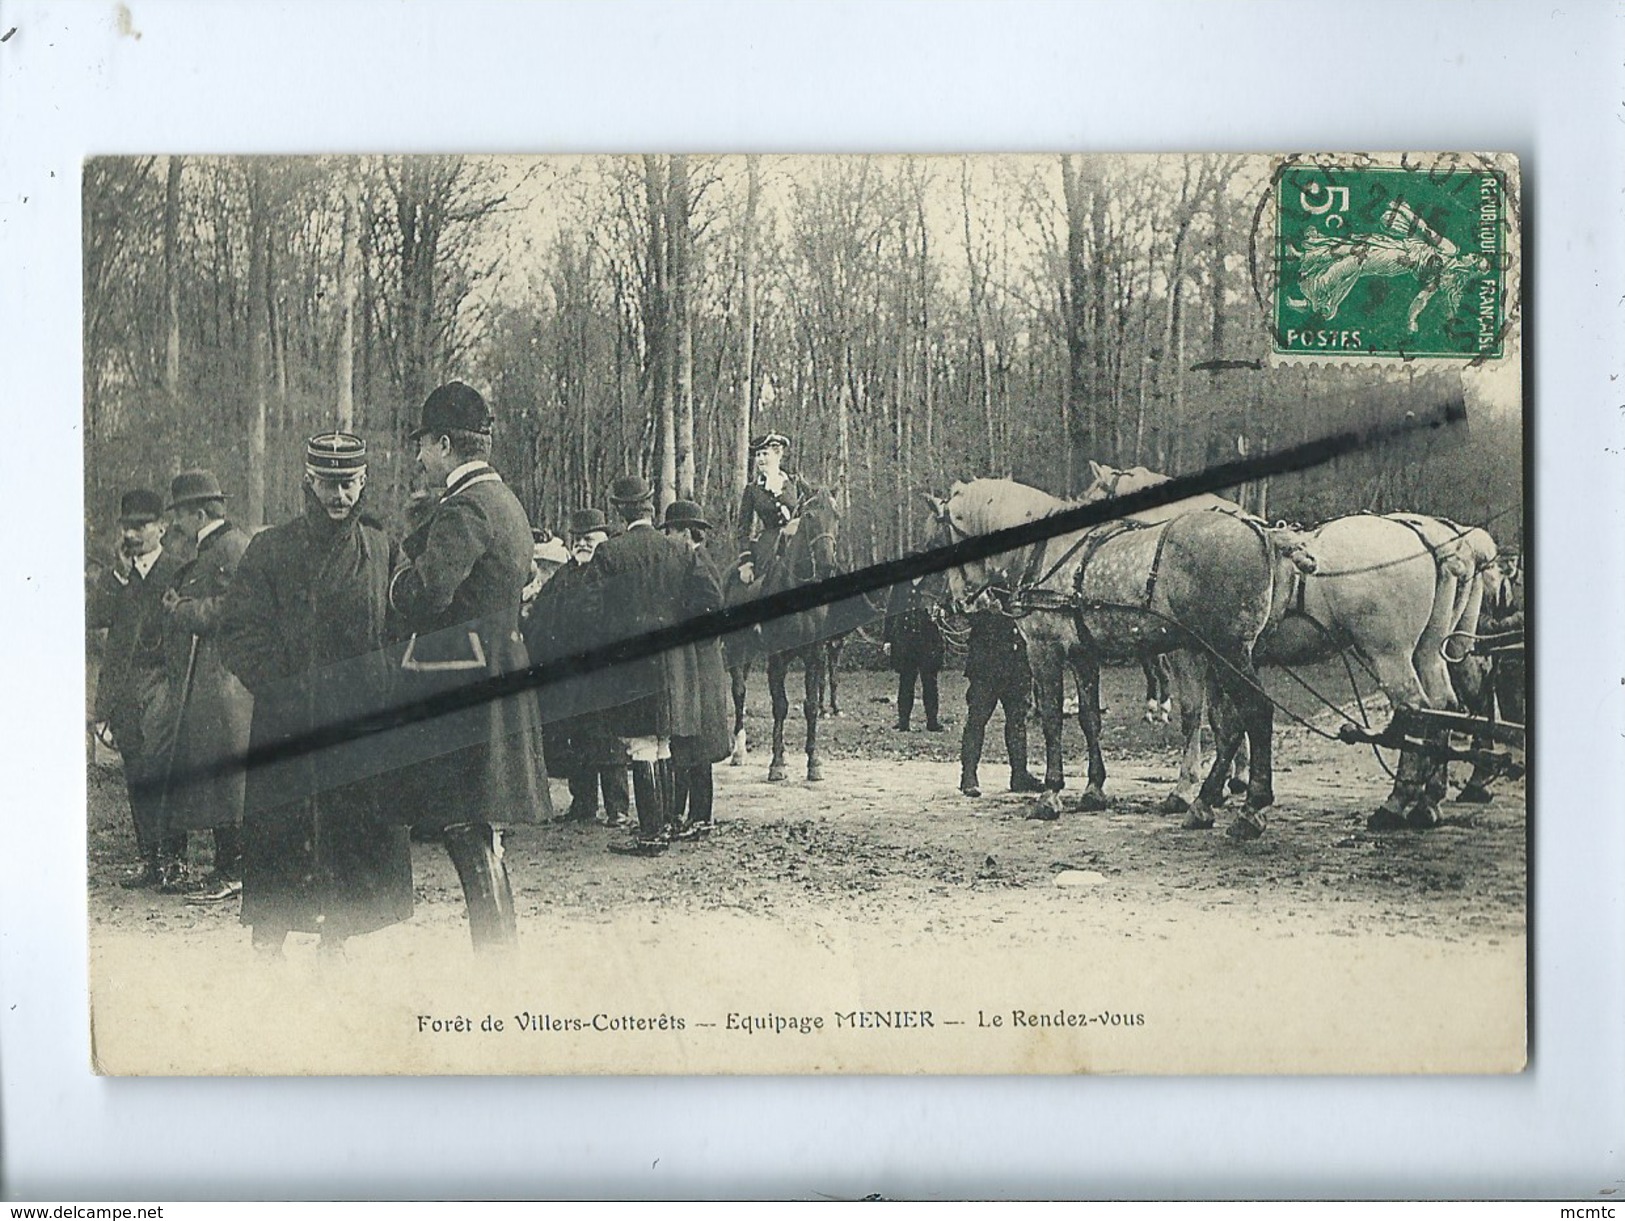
1107 482
812 532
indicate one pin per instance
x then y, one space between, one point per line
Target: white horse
1387 589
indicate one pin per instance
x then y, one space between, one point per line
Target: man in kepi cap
212 709
568 618
304 626
640 575
131 689
459 593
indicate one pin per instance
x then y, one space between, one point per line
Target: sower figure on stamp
305 627
997 672
132 689
913 644
459 593
641 575
568 618
697 675
212 708
769 502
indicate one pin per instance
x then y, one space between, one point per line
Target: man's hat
585 521
139 507
335 455
454 407
194 487
768 439
545 545
630 490
683 514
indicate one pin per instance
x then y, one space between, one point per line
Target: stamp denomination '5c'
1386 261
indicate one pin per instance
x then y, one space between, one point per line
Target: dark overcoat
641 573
459 594
213 708
304 626
911 629
567 618
697 674
995 652
132 685
763 514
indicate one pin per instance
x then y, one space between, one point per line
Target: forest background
908 321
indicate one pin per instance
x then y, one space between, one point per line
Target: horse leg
1086 665
813 669
1407 802
1190 683
1228 732
739 674
1048 688
832 667
776 673
1259 714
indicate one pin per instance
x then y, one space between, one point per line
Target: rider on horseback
768 505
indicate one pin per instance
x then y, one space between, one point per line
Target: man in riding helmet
769 502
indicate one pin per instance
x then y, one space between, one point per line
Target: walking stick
180 720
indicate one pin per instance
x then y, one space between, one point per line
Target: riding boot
666 775
172 863
646 796
476 853
583 795
701 797
679 796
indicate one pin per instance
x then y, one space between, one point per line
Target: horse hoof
1424 817
1474 795
815 770
1385 820
776 772
1047 808
1245 827
1173 804
1236 786
1093 801
1200 818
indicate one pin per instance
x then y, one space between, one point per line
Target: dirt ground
887 828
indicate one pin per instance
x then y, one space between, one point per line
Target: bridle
808 502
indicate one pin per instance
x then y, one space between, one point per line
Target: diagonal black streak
846 585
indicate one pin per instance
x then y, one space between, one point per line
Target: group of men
317 694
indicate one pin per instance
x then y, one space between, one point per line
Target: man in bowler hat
132 687
641 575
459 594
568 618
212 708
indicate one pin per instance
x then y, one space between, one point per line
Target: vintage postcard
805 614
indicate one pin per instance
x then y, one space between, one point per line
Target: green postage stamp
1405 260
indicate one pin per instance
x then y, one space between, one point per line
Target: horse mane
982 503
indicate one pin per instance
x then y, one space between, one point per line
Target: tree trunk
658 328
172 295
258 295
680 242
747 343
1075 299
349 283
